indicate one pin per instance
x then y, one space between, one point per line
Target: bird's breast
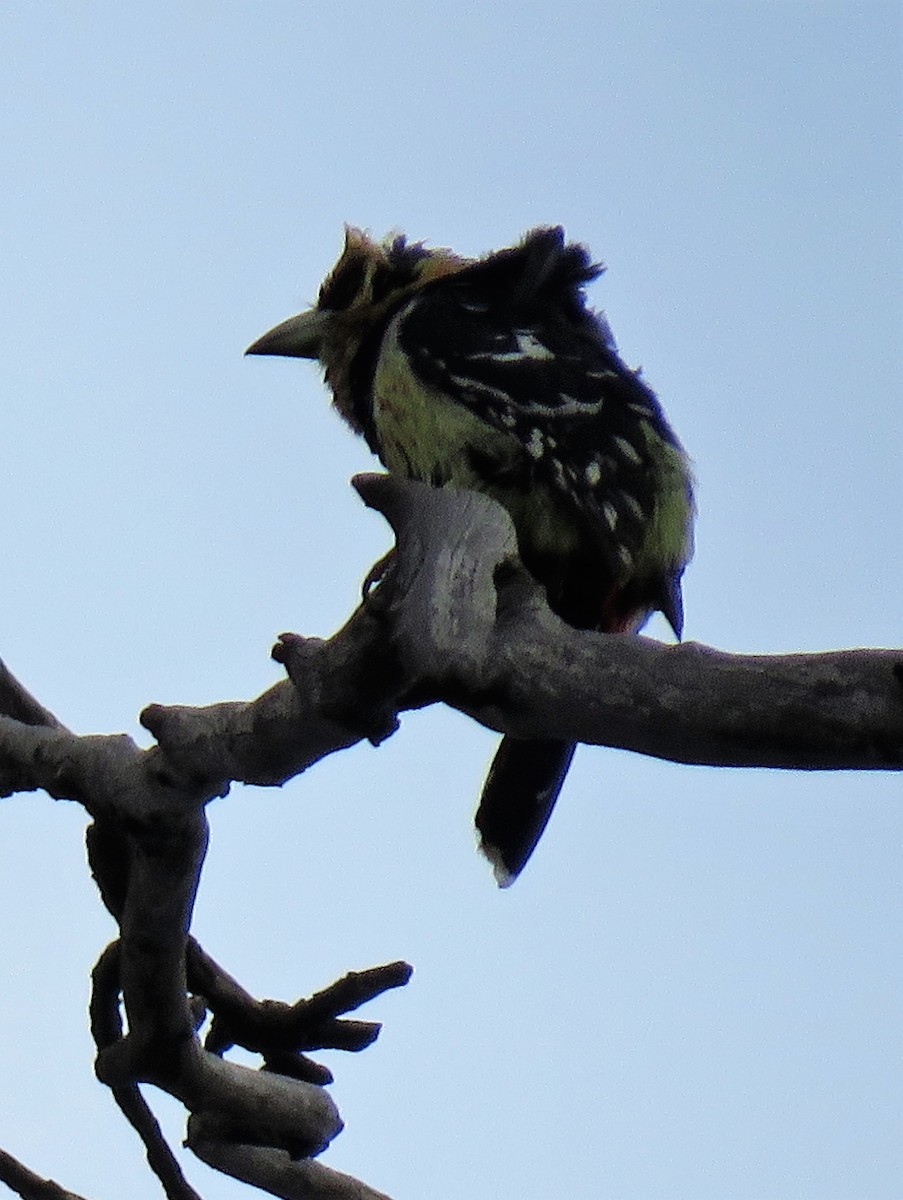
427 435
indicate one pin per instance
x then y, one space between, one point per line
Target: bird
493 374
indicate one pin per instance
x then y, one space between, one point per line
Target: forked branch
450 616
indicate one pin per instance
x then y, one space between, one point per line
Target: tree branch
451 616
27 1184
274 1170
18 703
456 618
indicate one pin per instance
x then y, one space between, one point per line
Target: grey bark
451 616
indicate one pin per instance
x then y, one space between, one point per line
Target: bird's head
369 279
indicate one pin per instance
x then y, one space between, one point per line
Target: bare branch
161 1045
473 629
106 1028
29 1186
450 616
456 618
146 850
274 1170
17 702
274 1028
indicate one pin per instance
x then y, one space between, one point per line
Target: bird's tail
518 797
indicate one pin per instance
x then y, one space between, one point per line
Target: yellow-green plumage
425 434
492 374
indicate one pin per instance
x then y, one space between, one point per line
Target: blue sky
693 993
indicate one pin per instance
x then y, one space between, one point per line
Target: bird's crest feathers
369 272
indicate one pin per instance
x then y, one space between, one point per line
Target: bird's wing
552 380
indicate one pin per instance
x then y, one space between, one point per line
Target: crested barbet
493 374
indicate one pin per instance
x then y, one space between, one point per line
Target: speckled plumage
493 374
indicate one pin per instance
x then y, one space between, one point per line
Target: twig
28 1185
106 1029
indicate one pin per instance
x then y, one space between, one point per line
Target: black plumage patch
344 285
511 338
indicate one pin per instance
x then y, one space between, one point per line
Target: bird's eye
343 286
385 280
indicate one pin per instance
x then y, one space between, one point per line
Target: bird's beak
298 337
